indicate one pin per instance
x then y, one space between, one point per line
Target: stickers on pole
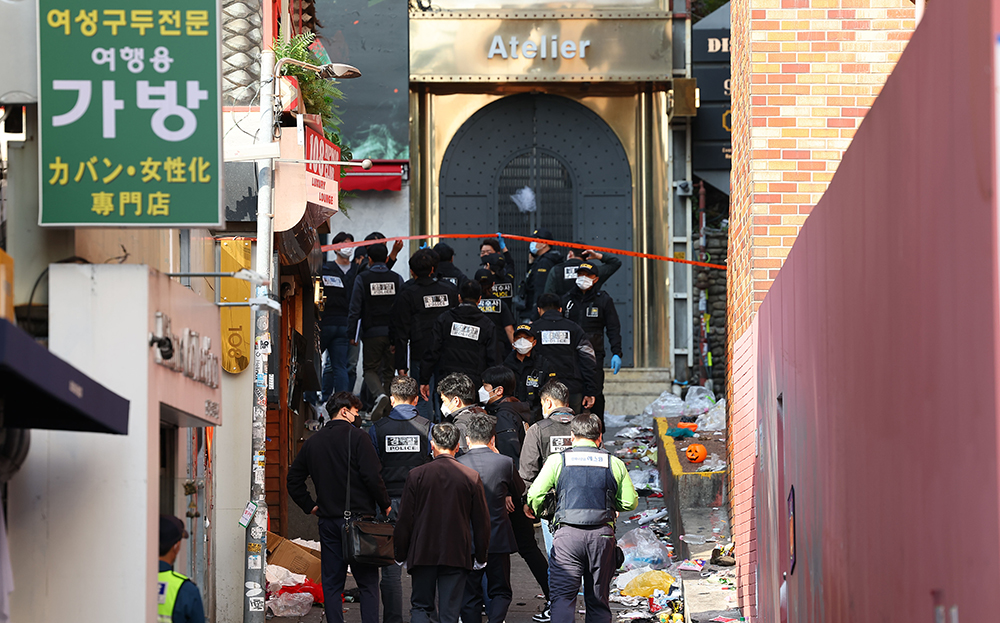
248 514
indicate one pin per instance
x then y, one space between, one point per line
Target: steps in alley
632 389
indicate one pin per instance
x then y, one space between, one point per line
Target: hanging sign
130 117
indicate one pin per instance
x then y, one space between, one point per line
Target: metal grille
552 184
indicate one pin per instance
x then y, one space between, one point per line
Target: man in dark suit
504 488
440 501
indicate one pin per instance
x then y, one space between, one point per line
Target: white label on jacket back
383 288
569 273
402 443
489 306
555 337
332 282
560 443
503 290
587 459
468 331
435 300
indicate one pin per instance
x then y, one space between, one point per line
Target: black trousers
497 574
334 574
582 553
599 402
449 585
527 548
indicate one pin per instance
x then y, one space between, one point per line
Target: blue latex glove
500 239
616 364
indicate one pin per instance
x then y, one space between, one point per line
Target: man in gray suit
504 488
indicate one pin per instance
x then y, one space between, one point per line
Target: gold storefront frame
637 114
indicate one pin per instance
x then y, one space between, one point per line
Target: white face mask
484 396
446 407
344 253
522 346
584 283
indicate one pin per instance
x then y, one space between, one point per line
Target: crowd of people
485 402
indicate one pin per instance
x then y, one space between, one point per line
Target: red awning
384 175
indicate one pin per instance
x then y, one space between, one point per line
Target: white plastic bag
713 464
291 605
622 580
714 419
667 405
615 421
646 479
644 549
699 400
279 576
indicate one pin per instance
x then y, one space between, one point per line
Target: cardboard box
295 558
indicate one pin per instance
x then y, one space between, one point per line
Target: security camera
164 344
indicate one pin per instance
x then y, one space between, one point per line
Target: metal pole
256 537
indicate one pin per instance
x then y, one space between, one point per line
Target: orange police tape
648 256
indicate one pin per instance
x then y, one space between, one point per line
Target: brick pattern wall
804 74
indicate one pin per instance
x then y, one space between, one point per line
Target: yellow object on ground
645 584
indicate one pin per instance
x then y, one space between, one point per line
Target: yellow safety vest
168 585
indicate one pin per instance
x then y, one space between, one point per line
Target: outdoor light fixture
330 71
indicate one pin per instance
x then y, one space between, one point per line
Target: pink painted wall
880 334
743 429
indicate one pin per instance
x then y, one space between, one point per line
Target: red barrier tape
648 256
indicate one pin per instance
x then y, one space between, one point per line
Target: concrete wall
877 357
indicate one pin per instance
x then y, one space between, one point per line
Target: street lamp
256 536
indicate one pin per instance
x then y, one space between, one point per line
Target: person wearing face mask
494 252
326 458
459 402
568 349
496 309
340 368
545 259
531 370
562 278
594 310
421 300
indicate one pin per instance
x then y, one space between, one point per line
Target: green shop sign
130 117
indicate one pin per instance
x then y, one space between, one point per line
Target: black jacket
375 291
532 374
594 310
562 278
534 282
499 311
447 271
323 458
512 415
418 305
337 288
503 286
500 479
461 419
568 350
463 340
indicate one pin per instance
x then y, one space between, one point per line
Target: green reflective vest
168 585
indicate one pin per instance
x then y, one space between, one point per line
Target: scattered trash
646 479
645 584
714 419
633 615
723 620
524 199
679 433
291 604
697 539
646 516
632 432
712 464
723 556
688 425
699 400
691 565
624 578
615 421
667 405
695 453
279 577
643 548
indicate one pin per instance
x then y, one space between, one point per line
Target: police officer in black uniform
546 258
402 440
593 309
463 340
503 265
446 268
565 345
370 318
420 302
531 370
562 278
496 309
339 375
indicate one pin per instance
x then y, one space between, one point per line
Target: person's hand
314 510
388 510
509 504
401 372
588 402
354 342
425 392
476 566
616 364
503 246
528 513
397 246
593 255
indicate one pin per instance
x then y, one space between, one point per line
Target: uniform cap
484 274
524 328
171 531
586 268
544 234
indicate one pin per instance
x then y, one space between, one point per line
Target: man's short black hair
500 376
444 251
470 291
422 264
375 235
481 428
445 436
342 236
404 388
378 253
549 300
586 426
556 392
460 385
341 400
492 243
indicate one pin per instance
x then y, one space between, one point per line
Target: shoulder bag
366 541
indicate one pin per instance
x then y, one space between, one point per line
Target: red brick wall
743 414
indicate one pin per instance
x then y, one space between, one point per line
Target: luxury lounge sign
472 49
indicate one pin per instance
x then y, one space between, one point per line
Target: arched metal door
574 165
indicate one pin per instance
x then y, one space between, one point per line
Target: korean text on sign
130 113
